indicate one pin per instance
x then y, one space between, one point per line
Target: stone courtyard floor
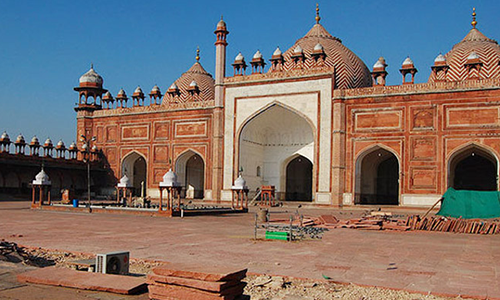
427 262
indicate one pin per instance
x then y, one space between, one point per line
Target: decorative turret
60 149
257 63
90 91
20 144
121 98
408 68
298 54
155 95
169 179
473 65
73 151
48 147
5 142
138 97
440 68
34 146
318 52
41 178
173 90
277 60
239 65
108 100
379 72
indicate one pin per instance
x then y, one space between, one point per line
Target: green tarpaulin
470 204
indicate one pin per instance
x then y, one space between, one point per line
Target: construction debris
444 224
187 282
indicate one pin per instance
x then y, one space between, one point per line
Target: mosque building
312 120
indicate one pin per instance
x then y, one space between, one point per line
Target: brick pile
177 281
444 224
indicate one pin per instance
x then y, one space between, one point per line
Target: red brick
65 277
184 293
205 273
212 286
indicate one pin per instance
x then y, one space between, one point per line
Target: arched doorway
377 178
190 169
135 167
299 179
473 169
267 141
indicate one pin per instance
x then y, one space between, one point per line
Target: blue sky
47 45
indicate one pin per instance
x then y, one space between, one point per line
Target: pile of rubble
444 224
385 221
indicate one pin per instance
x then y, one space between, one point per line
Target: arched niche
267 141
377 177
473 168
135 167
190 169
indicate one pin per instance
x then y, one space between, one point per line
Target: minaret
218 116
220 60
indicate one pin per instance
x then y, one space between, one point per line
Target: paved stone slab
201 272
217 286
65 277
184 293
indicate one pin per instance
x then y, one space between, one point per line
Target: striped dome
202 79
487 49
350 71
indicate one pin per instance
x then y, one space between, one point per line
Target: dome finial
92 65
197 53
317 14
474 22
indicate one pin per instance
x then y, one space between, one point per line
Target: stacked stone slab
184 282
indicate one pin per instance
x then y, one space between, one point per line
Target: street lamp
86 158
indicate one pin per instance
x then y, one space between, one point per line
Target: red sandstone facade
370 143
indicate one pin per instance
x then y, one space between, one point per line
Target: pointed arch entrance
473 168
135 167
377 177
271 140
299 179
190 169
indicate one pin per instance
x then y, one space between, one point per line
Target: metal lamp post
86 158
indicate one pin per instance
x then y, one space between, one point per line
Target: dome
183 86
121 93
378 64
84 147
72 146
155 89
484 49
124 182
257 55
169 179
138 90
298 50
221 24
239 57
472 56
60 144
318 47
408 62
48 142
240 183
350 71
34 140
107 96
91 78
277 52
4 136
42 178
440 58
20 139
